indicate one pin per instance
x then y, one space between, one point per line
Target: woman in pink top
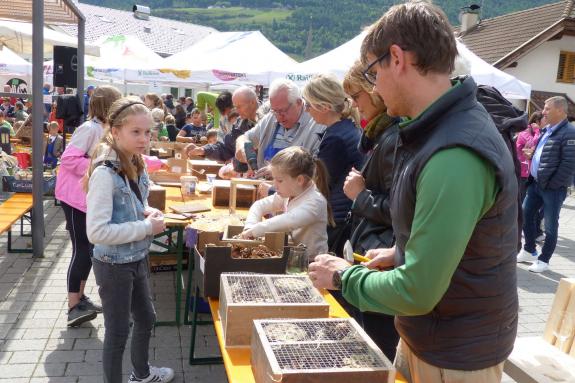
525 145
70 192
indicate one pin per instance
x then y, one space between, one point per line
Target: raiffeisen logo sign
297 77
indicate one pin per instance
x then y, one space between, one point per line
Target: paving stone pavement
36 346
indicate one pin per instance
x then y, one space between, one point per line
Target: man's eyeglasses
282 112
368 73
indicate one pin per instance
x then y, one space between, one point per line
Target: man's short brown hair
419 27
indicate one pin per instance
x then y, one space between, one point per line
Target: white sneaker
157 374
538 267
525 256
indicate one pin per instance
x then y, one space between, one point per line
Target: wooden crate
157 197
235 183
177 168
208 167
161 153
316 350
213 257
246 194
548 359
245 297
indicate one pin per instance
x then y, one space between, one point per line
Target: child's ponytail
321 179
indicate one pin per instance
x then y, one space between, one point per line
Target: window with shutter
566 68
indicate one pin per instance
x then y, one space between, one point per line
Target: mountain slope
290 23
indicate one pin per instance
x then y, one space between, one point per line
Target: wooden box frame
266 369
237 318
221 190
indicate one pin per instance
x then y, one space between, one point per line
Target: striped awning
55 11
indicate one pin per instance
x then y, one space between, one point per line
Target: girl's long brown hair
101 101
119 112
295 161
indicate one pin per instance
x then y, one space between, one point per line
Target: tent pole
37 129
80 68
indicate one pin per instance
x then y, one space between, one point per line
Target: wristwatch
336 278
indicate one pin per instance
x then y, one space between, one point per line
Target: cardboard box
212 257
246 195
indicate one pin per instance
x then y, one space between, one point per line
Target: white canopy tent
126 59
122 57
486 74
14 71
231 58
339 60
18 37
13 65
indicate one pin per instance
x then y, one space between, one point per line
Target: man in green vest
453 203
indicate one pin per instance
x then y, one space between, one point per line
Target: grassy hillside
287 23
225 18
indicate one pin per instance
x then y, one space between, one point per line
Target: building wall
539 67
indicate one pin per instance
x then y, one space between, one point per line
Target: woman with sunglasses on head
328 104
369 190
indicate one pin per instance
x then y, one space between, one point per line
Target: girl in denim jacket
121 226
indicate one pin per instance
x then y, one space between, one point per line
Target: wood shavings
357 361
256 252
258 294
291 284
215 221
285 332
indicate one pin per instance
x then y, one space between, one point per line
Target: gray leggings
125 289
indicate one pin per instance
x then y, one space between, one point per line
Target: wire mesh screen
311 356
295 290
309 331
249 289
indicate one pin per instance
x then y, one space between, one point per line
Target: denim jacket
126 208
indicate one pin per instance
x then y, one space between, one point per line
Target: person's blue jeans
551 201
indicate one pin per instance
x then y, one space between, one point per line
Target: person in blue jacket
327 103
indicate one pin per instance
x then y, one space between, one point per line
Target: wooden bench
16 208
548 359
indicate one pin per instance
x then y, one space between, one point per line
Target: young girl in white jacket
304 209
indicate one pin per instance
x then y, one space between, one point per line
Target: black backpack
509 120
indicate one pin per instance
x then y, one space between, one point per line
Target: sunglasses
368 73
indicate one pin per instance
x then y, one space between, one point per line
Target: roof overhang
562 26
55 11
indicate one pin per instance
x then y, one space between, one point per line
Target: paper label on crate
176 169
202 264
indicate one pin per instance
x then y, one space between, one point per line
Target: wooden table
15 208
237 360
176 226
174 197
